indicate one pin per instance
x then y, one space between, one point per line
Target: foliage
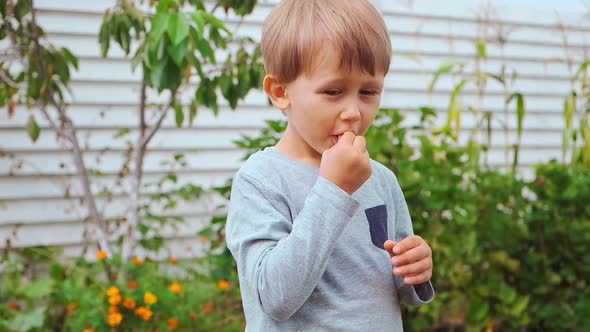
81 296
576 113
177 43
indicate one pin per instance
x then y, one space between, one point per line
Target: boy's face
327 103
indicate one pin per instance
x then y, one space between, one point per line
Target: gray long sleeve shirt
310 257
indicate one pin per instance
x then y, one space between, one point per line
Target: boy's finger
347 138
407 244
414 268
418 279
388 246
360 143
410 256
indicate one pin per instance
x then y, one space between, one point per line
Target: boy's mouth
336 138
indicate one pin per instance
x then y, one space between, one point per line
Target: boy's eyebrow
340 80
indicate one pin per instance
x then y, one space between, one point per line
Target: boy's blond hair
297 30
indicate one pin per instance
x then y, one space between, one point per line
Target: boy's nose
351 113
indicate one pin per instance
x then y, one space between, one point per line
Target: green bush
88 296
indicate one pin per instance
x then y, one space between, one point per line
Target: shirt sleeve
409 294
280 261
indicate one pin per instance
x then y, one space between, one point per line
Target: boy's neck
297 149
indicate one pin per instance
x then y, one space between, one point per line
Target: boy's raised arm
279 261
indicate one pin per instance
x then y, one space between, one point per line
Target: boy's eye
332 92
370 92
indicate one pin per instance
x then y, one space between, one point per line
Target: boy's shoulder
260 162
269 165
383 174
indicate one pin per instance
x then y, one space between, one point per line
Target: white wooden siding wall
33 177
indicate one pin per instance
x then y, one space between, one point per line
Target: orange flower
144 312
14 306
193 316
72 306
223 284
175 288
137 261
115 319
129 303
173 323
113 309
150 298
89 330
208 309
101 255
112 291
115 299
173 260
132 284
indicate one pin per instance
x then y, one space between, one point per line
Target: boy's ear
276 92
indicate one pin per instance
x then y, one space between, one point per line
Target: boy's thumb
388 246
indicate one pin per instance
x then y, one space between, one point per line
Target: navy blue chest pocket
377 218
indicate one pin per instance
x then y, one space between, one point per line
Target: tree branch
68 130
150 134
7 80
142 124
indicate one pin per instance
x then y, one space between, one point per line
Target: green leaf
214 21
153 244
194 108
178 52
104 36
21 9
206 50
122 133
179 114
38 289
165 75
163 5
70 57
458 88
481 48
138 57
520 110
33 128
27 321
143 229
243 81
3 9
172 177
583 68
178 28
569 109
159 25
124 38
445 68
200 22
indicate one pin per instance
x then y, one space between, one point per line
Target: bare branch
142 124
147 138
69 131
7 80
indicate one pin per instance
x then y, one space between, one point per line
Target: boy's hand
346 164
411 259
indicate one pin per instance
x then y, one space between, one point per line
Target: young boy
321 233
